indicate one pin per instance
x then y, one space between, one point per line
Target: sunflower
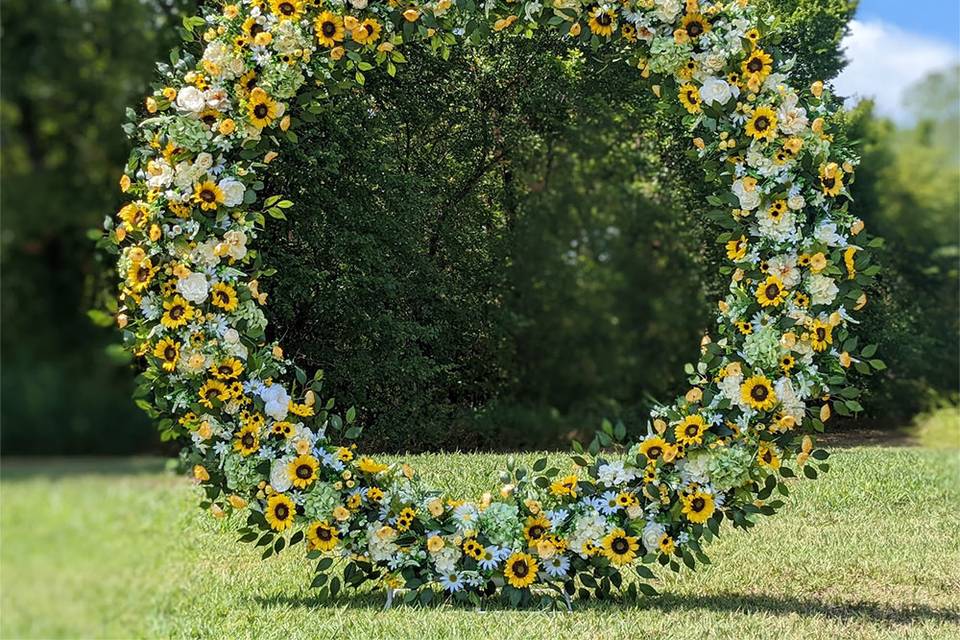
227 370
367 32
134 215
248 440
473 548
690 98
767 456
787 362
369 465
821 335
629 32
695 25
690 430
322 536
247 82
620 548
698 506
176 313
535 528
261 109
224 296
328 28
213 390
756 68
375 494
737 249
777 208
762 124
287 9
745 327
520 570
566 486
831 179
770 292
666 544
354 501
757 393
280 511
140 275
208 195
603 22
654 448
405 518
282 428
169 352
251 27
626 499
801 299
302 471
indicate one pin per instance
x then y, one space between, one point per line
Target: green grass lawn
117 548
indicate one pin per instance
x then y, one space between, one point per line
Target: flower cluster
260 440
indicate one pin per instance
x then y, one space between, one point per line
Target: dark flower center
698 504
536 531
821 333
261 110
520 568
828 182
761 123
694 29
759 392
755 65
170 353
287 9
620 546
328 29
281 511
772 291
654 452
208 195
247 440
692 430
324 534
304 471
604 19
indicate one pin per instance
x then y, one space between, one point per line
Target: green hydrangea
729 467
241 472
188 133
500 523
321 500
666 56
762 348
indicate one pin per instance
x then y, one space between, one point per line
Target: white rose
667 10
749 200
796 202
190 99
194 287
651 536
822 289
715 91
233 191
827 234
791 118
279 478
203 162
236 243
206 253
231 336
161 174
359 5
276 401
217 98
785 267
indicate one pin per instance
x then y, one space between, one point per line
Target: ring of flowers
260 441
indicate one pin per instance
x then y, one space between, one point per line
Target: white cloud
884 60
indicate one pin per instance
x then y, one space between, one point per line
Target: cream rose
194 287
190 100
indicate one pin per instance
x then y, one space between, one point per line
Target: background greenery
481 255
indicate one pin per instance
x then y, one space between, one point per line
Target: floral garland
257 437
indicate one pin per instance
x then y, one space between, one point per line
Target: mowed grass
117 548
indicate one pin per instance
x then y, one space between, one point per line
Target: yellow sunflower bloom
690 430
767 456
737 249
620 548
566 486
208 195
224 296
176 313
302 471
287 9
247 440
821 335
168 351
535 528
322 536
602 22
520 570
368 465
213 390
690 98
695 25
261 109
654 448
228 369
756 68
831 179
328 28
770 292
757 393
762 124
367 32
698 506
280 512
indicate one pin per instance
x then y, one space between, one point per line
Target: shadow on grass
28 468
668 602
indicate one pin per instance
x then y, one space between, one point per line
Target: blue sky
894 43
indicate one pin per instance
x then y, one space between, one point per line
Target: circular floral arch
260 440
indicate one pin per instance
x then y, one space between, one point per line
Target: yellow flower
321 536
848 255
248 440
620 548
134 215
473 549
208 195
654 448
261 109
141 274
520 570
435 544
280 512
535 528
368 465
169 352
757 393
767 456
770 292
224 296
695 25
737 249
690 430
302 471
666 544
504 23
566 486
411 15
603 22
367 32
405 518
287 9
821 335
228 369
698 506
831 179
213 390
435 507
762 124
756 68
341 513
200 473
690 98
